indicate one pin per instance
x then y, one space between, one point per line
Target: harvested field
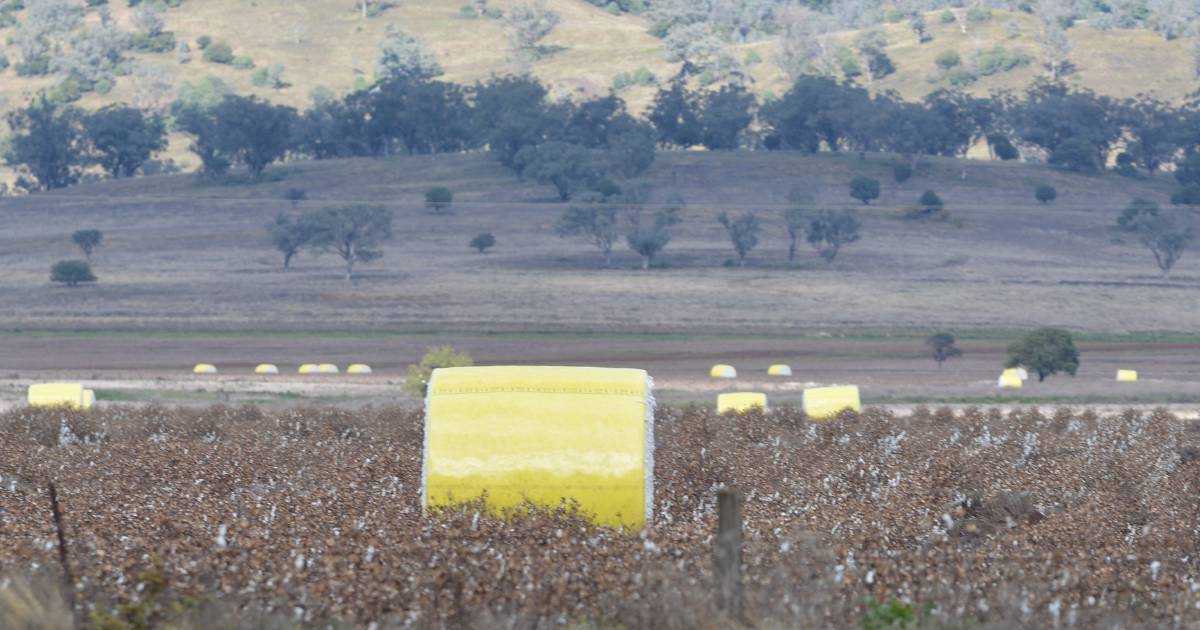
977 518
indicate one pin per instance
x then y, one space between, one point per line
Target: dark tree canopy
743 233
864 189
124 138
87 240
943 348
1045 351
354 232
71 272
830 230
47 145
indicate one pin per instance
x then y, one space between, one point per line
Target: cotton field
313 517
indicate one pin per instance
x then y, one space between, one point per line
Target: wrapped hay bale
327 368
739 402
89 398
779 369
204 368
358 368
542 434
821 403
266 368
56 394
309 368
1010 380
722 371
1127 376
1017 372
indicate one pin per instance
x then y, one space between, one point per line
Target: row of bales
819 403
1014 378
305 369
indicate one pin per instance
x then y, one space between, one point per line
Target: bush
931 201
961 77
438 197
947 60
1045 193
203 41
864 189
1076 154
642 76
161 43
36 67
71 272
752 58
902 172
418 375
979 14
3 62
947 17
243 62
483 241
1000 59
68 91
219 52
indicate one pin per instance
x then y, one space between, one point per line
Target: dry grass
990 520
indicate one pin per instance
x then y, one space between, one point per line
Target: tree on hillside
1056 50
47 145
1045 193
353 232
1051 114
124 138
1171 18
1166 233
207 138
871 44
675 115
724 115
830 230
403 56
594 220
526 26
568 167
483 241
1156 130
942 347
629 146
864 189
512 113
1046 351
416 116
649 232
45 21
240 129
806 41
71 272
87 240
93 56
438 198
290 235
743 233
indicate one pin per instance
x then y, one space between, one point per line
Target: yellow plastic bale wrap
1017 373
826 402
204 368
266 368
542 434
722 371
327 368
89 399
56 394
358 368
309 368
1127 376
741 401
1010 380
779 369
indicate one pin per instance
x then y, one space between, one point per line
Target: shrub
1045 193
203 41
1076 154
103 86
752 58
445 356
483 241
947 17
219 52
979 14
961 77
864 189
243 62
947 60
68 91
71 272
642 76
36 67
902 172
160 43
1127 166
3 62
931 201
438 197
1000 59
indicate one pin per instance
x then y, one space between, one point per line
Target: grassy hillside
182 253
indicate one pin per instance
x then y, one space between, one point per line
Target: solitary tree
87 240
437 198
353 232
830 230
403 56
647 236
295 196
864 189
796 219
483 241
1045 351
71 272
942 346
1045 193
930 202
1166 233
289 236
593 220
743 233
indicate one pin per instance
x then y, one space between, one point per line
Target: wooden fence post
727 554
68 578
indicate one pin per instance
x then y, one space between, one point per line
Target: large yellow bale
722 371
309 368
358 368
327 368
56 394
1015 372
739 402
542 434
89 398
826 402
204 368
266 368
779 369
1127 376
1009 380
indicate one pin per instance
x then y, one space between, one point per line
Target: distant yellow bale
779 369
1009 380
542 434
56 394
89 399
739 402
358 368
204 368
266 368
722 371
1127 376
1017 372
327 368
309 368
826 402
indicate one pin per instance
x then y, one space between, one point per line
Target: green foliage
438 198
723 115
46 145
979 14
649 232
594 220
1187 171
947 60
752 58
404 56
640 77
219 52
289 235
1136 211
1001 59
203 42
1045 193
1076 154
947 17
354 232
830 230
33 67
1046 351
443 357
87 240
241 130
902 172
570 168
3 62
930 201
960 77
743 233
1002 147
942 347
1165 233
66 91
243 62
71 272
483 241
893 615
157 43
204 93
124 138
864 189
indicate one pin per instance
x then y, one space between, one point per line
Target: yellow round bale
821 403
89 398
358 368
266 368
722 371
309 368
739 402
56 395
542 434
779 369
1015 372
204 368
327 368
1009 380
1127 376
